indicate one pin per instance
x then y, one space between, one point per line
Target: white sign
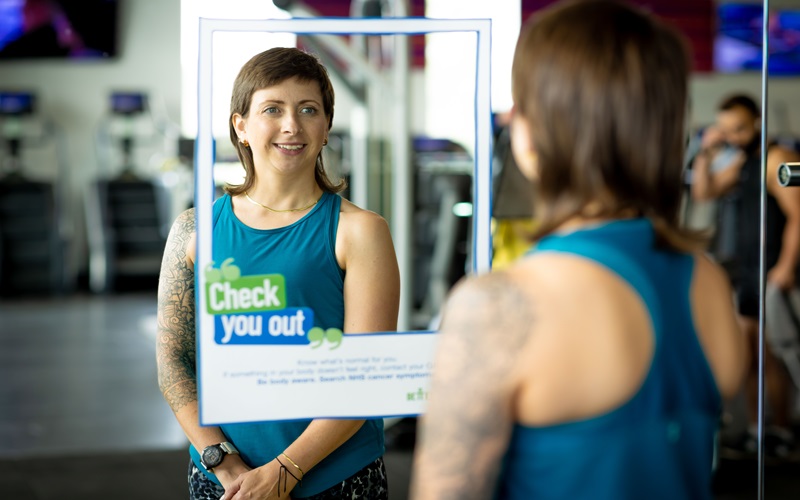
332 376
263 362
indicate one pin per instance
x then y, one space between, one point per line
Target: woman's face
286 126
522 146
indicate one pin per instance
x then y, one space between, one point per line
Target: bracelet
282 474
293 463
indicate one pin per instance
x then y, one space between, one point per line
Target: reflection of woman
595 366
337 260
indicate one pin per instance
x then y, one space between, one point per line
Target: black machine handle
789 174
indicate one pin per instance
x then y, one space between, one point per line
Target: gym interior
97 155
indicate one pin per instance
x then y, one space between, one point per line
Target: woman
285 218
595 366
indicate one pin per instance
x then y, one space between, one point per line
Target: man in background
738 126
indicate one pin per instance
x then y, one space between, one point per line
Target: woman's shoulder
182 235
552 272
363 237
482 308
185 221
354 219
495 291
348 207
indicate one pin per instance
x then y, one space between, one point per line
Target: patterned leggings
367 484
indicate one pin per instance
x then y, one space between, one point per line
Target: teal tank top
304 253
659 444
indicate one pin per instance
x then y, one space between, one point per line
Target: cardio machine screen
16 103
128 103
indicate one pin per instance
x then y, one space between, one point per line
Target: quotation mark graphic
317 336
226 271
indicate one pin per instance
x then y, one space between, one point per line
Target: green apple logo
226 272
229 271
212 275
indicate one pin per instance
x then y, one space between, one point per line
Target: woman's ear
522 146
239 124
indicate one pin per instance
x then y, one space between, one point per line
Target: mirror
434 191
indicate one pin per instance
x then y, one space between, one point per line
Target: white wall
74 94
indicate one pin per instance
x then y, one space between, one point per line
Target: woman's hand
230 469
263 483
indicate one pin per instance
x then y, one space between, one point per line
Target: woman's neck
284 194
583 221
576 223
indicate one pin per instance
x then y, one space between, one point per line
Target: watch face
212 456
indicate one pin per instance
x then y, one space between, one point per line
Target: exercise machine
128 211
442 224
32 217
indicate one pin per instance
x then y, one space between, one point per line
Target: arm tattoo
469 419
175 345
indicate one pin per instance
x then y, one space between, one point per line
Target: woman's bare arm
468 422
176 344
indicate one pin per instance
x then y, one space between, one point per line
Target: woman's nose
290 123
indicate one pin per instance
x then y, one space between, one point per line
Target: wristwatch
213 455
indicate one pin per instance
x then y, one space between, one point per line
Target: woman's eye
308 110
271 110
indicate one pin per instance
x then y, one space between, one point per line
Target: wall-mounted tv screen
58 29
738 42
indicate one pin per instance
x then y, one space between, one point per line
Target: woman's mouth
291 147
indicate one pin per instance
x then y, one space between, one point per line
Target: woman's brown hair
603 86
266 69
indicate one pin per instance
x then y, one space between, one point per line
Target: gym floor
81 415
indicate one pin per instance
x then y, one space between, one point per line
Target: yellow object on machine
511 238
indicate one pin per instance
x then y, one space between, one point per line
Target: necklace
254 202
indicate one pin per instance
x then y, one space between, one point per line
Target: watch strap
228 448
